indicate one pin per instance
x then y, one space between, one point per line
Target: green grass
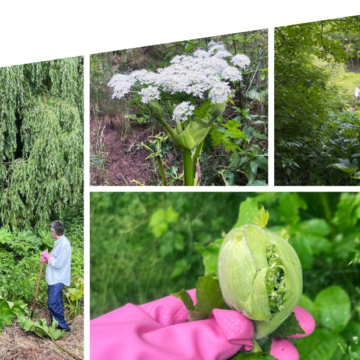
348 82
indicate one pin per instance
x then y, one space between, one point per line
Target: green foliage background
41 142
316 72
145 246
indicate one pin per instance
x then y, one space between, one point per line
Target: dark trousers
56 305
356 100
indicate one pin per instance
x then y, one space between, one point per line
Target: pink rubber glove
45 257
283 349
160 330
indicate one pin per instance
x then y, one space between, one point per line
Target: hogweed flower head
149 93
207 72
260 275
241 60
182 111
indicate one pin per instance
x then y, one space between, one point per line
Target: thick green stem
188 173
162 172
167 127
195 158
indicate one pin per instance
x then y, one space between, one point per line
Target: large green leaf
248 211
222 138
194 134
210 255
333 305
320 345
40 327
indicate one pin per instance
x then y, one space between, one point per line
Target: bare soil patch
126 158
17 344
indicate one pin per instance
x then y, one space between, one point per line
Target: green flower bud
217 110
156 110
260 275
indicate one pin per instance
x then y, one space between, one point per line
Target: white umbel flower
222 54
206 71
230 73
121 85
149 93
220 92
241 60
201 54
182 111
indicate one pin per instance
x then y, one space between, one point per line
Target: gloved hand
160 330
45 257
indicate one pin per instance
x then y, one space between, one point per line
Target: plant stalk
195 158
162 172
167 127
188 171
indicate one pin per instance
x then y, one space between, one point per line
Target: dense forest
317 69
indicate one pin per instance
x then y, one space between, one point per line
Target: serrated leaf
289 327
262 217
257 356
220 138
186 299
208 296
210 255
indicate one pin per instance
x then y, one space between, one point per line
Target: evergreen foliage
41 142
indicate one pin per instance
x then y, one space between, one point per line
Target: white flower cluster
205 72
149 93
182 111
241 60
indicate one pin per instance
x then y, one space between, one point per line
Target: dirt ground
16 344
126 160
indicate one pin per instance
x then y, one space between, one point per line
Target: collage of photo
220 273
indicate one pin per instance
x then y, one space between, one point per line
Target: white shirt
59 265
357 92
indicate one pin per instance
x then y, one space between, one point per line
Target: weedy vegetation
316 122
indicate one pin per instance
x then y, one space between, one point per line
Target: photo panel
189 113
224 275
317 109
42 210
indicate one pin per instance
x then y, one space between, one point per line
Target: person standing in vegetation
357 95
58 272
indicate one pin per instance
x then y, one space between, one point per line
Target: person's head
57 229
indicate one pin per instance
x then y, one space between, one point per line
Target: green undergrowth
20 265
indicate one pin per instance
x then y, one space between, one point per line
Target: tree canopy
41 141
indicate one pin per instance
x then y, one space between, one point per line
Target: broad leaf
333 304
289 327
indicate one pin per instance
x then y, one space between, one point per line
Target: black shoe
67 331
